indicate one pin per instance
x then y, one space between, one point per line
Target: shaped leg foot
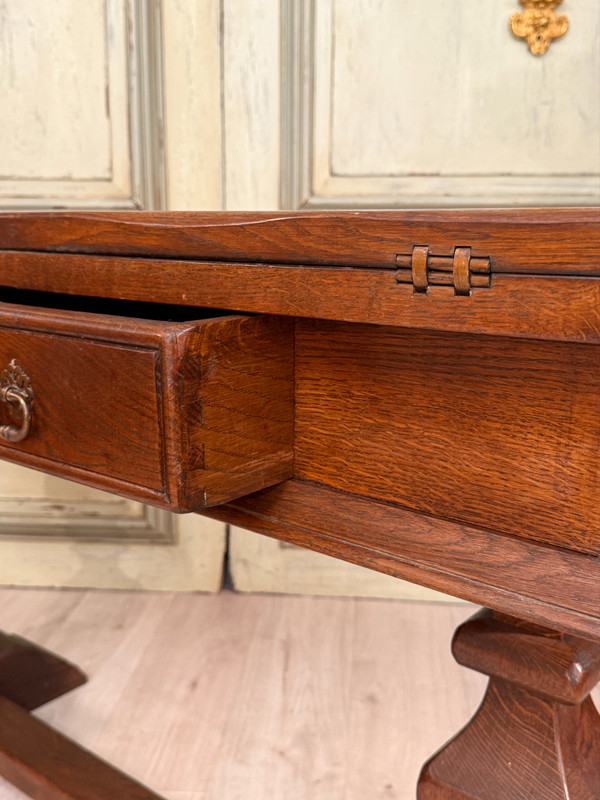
536 735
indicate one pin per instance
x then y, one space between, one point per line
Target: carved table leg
536 735
34 757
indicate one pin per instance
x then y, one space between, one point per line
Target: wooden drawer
181 414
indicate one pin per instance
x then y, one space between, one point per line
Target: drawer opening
132 309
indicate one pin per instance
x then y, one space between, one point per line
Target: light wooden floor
236 697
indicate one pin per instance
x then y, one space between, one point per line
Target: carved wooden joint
460 271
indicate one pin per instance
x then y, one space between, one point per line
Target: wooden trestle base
535 736
34 757
31 676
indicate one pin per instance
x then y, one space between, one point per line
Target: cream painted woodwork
84 88
260 564
392 103
35 504
191 34
193 563
82 104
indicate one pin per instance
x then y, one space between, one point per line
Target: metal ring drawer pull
16 392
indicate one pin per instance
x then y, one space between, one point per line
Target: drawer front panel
95 406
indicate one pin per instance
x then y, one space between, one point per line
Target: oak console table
416 392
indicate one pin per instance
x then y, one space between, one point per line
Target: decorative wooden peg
536 735
460 271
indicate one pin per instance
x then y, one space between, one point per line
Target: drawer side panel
236 389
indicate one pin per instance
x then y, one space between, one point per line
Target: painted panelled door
84 88
399 103
266 104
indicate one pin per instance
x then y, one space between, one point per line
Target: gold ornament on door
539 24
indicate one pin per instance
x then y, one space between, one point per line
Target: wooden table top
359 262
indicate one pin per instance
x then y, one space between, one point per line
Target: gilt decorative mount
538 24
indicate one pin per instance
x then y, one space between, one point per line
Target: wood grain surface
497 433
546 585
541 241
562 667
533 736
178 414
95 407
31 676
230 398
544 306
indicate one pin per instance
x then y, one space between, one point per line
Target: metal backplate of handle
16 392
